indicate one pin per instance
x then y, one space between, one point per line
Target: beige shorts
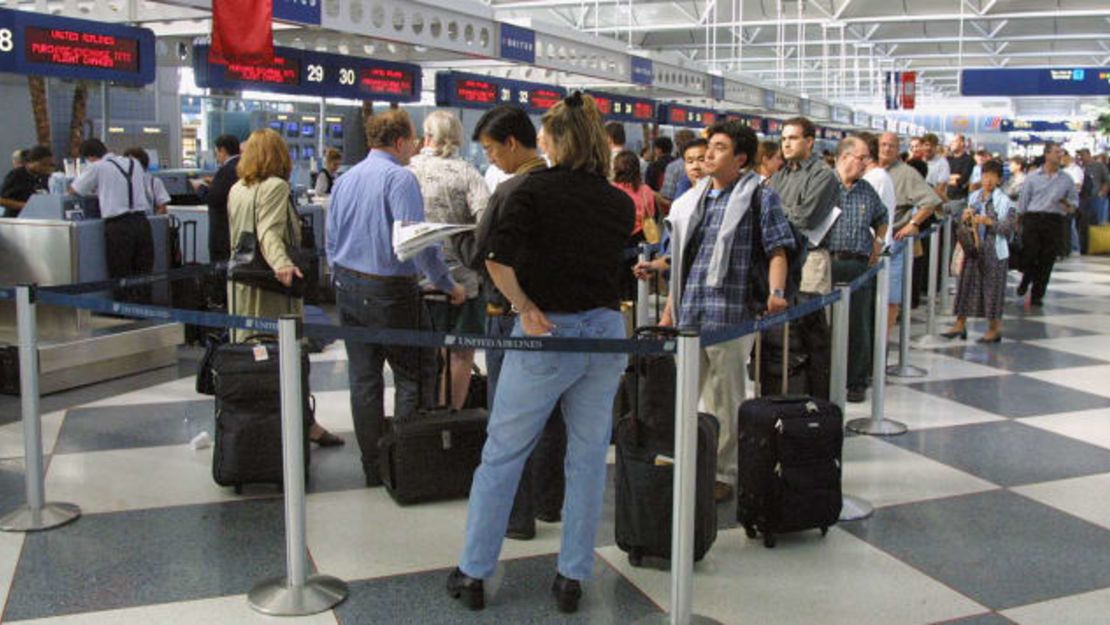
817 272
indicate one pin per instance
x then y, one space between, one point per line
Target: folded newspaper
411 237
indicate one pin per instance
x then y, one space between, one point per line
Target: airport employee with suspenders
117 182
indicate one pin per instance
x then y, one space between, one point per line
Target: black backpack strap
127 176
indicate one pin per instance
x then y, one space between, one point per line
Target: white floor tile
11 435
920 410
1095 380
11 544
363 534
1090 426
232 610
1090 608
1090 346
334 352
941 366
1083 497
886 475
1089 304
130 479
1084 288
183 389
805 579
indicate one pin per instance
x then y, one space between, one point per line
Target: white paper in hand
411 237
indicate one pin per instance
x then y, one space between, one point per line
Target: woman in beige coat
260 201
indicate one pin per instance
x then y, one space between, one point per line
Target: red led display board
375 81
282 71
81 49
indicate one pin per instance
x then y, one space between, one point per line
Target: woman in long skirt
982 286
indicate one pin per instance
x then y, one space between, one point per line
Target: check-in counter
75 346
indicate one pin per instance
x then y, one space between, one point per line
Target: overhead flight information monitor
303 72
461 90
686 116
41 44
622 108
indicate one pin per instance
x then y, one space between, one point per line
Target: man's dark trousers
861 324
1040 240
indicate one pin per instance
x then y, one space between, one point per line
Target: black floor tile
1025 330
998 548
1012 395
1019 357
130 426
1008 453
523 597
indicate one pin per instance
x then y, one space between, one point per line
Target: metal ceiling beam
931 40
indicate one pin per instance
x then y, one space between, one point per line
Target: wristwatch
779 293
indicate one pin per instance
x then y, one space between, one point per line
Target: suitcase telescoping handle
436 295
785 384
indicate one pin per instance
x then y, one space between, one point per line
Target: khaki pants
817 273
721 385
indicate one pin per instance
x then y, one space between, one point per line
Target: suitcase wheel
238 489
636 558
750 531
824 531
769 540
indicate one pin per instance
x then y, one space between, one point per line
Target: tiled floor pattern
991 510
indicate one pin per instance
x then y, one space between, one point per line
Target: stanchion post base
855 509
665 619
885 427
51 515
276 597
930 340
906 371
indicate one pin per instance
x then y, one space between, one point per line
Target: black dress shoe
520 534
467 589
1022 289
567 593
996 339
857 395
1036 302
554 517
962 335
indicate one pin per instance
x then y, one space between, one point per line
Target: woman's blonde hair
577 136
333 155
445 131
264 155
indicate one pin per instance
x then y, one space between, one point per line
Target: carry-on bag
432 455
645 470
248 445
788 476
189 293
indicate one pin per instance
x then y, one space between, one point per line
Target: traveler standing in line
693 158
914 203
1070 242
768 160
711 229
981 157
454 193
627 178
662 149
855 242
1092 195
1047 198
940 173
555 252
26 180
960 167
694 161
153 186
325 180
675 173
1012 187
374 289
259 202
982 286
509 140
19 158
219 230
808 190
117 182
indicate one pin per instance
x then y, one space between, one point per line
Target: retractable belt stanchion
931 339
853 508
297 593
688 362
946 256
903 369
37 514
643 293
877 425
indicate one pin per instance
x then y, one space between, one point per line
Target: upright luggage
433 454
188 293
788 476
645 468
248 446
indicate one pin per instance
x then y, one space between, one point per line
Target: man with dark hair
854 248
939 172
615 132
1047 197
809 190
711 238
661 150
509 140
154 188
26 180
961 165
219 232
118 184
676 171
374 288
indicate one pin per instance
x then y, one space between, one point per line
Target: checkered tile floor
992 509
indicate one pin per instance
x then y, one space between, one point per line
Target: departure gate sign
622 108
1062 81
40 44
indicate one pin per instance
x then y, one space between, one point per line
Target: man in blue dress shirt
375 289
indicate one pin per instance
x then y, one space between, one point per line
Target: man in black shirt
219 230
960 166
23 182
662 146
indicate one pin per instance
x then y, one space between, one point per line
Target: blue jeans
897 268
1102 209
530 383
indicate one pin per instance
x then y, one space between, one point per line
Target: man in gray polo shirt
809 190
1048 196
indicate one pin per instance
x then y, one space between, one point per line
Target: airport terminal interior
974 474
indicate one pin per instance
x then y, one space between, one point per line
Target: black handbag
249 267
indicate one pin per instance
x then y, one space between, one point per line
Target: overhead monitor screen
476 91
384 81
81 49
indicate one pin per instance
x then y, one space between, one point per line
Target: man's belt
847 255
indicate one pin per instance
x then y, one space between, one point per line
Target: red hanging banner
909 89
242 31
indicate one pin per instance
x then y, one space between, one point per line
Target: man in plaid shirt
855 242
711 232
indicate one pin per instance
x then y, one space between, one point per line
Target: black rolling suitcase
188 293
432 455
248 447
788 476
645 467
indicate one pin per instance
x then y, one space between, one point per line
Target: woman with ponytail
556 252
